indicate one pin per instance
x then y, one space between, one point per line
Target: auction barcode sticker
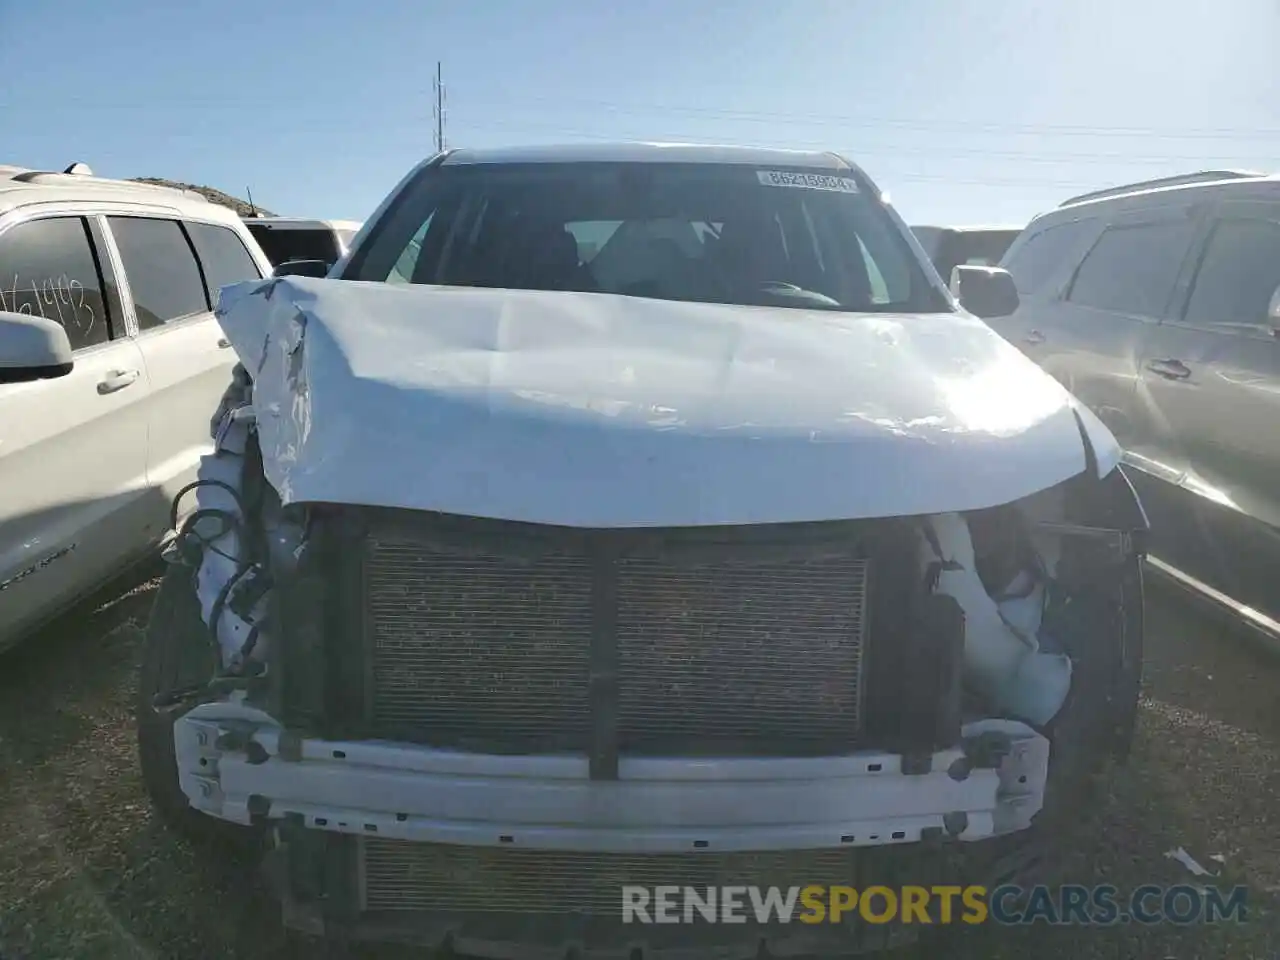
807 181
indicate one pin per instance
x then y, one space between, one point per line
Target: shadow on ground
87 872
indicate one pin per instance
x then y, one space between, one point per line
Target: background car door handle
117 380
1033 337
1170 369
223 343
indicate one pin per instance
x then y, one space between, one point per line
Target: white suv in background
110 361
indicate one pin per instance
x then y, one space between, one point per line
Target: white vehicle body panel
605 411
73 464
189 370
96 471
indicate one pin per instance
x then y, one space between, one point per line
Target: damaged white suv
644 514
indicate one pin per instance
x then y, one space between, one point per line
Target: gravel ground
87 872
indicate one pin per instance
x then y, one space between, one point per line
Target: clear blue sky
964 111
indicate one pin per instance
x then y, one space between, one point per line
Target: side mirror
1273 314
302 268
32 348
985 292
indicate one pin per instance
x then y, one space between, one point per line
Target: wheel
1096 725
176 654
1090 737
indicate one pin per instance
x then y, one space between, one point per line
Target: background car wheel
177 653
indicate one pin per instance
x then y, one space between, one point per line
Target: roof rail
1203 176
83 180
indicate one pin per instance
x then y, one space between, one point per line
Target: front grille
399 876
519 638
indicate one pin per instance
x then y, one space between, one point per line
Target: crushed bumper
523 856
237 764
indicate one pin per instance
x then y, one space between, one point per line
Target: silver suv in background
1158 305
289 240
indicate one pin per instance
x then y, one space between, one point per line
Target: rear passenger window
48 268
1033 263
223 256
1133 269
162 271
1239 273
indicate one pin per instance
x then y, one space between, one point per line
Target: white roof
20 188
651 153
970 228
305 223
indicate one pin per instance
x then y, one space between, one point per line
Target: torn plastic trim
1002 658
232 765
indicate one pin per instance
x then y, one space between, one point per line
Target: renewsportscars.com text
1069 904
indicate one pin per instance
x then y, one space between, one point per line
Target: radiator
402 876
726 648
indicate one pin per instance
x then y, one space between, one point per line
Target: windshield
714 233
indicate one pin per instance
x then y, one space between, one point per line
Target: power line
940 152
1252 134
930 125
855 154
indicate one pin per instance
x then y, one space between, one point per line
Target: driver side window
1239 273
49 268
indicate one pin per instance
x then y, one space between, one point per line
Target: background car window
402 272
161 268
1133 269
972 247
223 256
592 235
1034 261
1239 273
283 244
929 238
879 287
49 268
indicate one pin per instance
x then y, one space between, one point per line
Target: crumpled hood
605 411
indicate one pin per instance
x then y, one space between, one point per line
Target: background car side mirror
984 291
1273 313
32 348
302 268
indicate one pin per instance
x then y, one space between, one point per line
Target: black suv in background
1158 305
950 247
291 240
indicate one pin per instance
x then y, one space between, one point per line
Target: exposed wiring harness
250 581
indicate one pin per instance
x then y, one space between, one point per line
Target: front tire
176 654
1091 738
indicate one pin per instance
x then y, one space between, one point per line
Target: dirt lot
86 872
